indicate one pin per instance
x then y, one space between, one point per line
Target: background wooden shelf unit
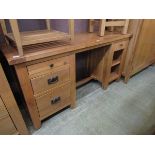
104 23
21 39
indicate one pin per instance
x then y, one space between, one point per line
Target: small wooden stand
103 23
21 39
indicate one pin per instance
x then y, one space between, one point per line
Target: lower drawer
6 126
55 100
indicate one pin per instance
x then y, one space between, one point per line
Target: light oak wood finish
48 24
16 36
35 84
40 36
51 79
141 48
53 101
21 39
114 67
35 65
2 22
81 43
102 27
6 125
91 25
48 66
73 81
4 29
103 23
11 107
71 28
83 81
27 90
3 111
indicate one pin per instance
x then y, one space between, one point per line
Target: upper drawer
50 80
42 67
121 45
3 111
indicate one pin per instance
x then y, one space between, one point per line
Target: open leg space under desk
91 65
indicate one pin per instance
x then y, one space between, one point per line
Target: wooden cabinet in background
141 51
11 121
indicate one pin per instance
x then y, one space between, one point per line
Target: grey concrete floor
121 109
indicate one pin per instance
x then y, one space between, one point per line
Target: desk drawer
42 67
120 45
50 80
3 111
7 126
53 101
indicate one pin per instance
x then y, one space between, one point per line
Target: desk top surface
82 42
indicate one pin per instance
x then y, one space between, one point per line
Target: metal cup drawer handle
56 100
53 80
51 65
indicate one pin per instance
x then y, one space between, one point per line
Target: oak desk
47 72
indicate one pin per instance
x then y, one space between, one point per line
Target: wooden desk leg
107 68
73 82
25 84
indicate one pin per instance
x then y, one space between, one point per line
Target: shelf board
40 36
116 62
83 81
113 76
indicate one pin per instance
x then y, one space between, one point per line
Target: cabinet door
6 125
145 49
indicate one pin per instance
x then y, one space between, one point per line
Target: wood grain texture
26 87
81 43
71 28
49 65
141 51
16 36
39 36
73 80
45 105
40 83
7 127
134 28
3 111
11 105
111 71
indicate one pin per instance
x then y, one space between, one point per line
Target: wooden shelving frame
103 23
21 39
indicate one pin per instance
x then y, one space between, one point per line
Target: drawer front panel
55 100
6 126
120 45
3 111
48 81
47 66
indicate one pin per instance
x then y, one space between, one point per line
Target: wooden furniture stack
141 51
47 73
11 121
111 24
21 39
